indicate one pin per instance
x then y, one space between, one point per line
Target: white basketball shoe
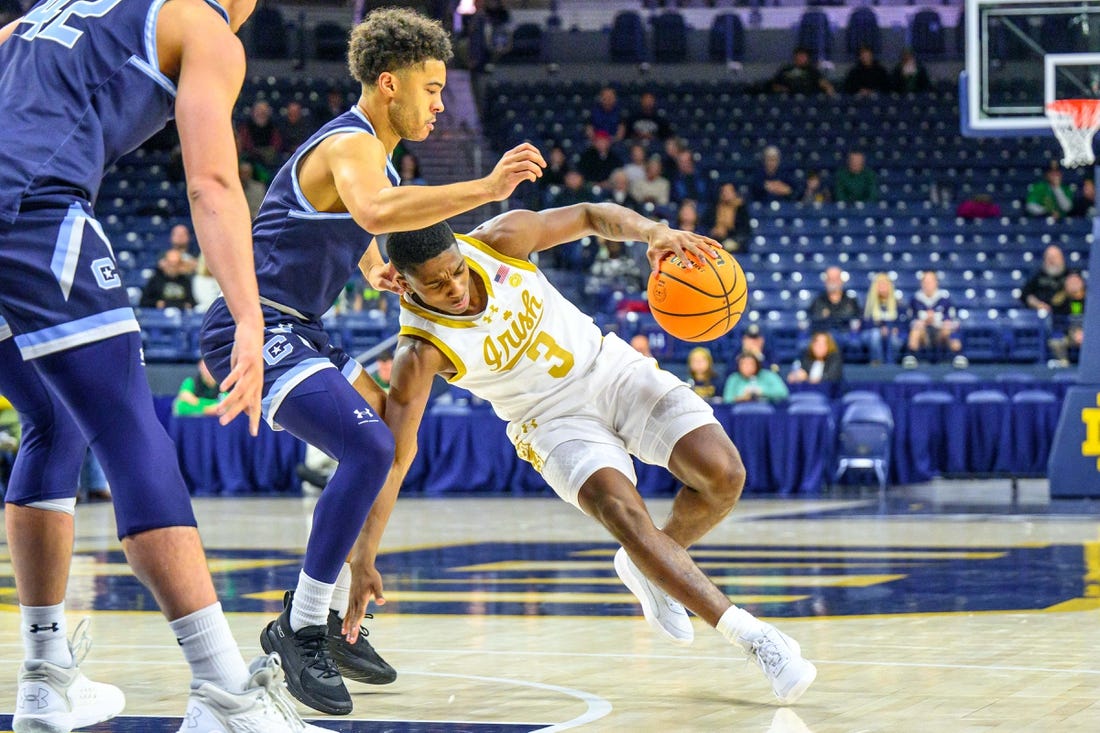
663 612
265 705
56 699
781 659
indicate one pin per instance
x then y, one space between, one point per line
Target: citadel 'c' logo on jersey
276 349
106 273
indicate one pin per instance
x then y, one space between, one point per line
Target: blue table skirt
464 449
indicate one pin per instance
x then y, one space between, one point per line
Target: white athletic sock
311 602
736 623
341 591
210 649
44 632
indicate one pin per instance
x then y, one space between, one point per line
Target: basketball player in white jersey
578 405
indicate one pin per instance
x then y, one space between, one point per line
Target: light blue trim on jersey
303 202
220 10
389 160
318 215
352 370
270 404
66 250
150 65
77 333
5 329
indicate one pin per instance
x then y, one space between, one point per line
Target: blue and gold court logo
578 579
1090 448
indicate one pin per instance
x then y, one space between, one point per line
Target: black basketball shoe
311 675
358 661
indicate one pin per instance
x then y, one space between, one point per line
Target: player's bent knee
624 516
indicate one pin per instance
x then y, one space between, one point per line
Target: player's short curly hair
409 250
391 39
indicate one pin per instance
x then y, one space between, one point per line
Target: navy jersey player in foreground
81 84
578 405
314 228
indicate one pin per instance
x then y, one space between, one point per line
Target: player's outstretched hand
522 163
384 277
366 586
688 246
245 383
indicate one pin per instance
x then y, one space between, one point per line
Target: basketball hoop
1075 121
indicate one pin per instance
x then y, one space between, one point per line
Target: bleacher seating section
913 144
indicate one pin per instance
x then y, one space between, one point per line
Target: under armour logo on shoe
35 698
35 628
191 718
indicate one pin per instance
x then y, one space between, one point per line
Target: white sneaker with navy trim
780 657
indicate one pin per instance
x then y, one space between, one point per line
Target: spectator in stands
383 369
640 343
702 376
573 192
670 155
335 104
752 382
654 188
198 394
204 287
179 239
614 269
500 29
932 318
821 362
800 76
169 286
771 183
1068 308
882 321
752 341
635 167
815 191
1049 197
573 255
598 160
648 124
1084 202
978 206
687 182
909 75
867 76
410 171
855 181
258 139
618 190
254 191
833 309
296 128
1039 291
730 222
556 167
687 216
606 116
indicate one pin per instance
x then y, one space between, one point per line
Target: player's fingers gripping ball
698 303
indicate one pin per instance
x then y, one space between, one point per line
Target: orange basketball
698 304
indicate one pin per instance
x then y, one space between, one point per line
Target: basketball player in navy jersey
81 84
316 225
578 405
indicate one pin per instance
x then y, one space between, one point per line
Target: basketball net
1075 121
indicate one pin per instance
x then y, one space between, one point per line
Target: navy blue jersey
80 86
304 257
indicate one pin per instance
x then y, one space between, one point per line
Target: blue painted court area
151 724
578 579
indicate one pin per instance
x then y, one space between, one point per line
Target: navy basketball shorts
293 350
59 282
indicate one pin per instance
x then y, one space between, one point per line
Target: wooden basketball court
939 611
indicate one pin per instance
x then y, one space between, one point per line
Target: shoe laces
766 652
80 643
277 699
314 645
